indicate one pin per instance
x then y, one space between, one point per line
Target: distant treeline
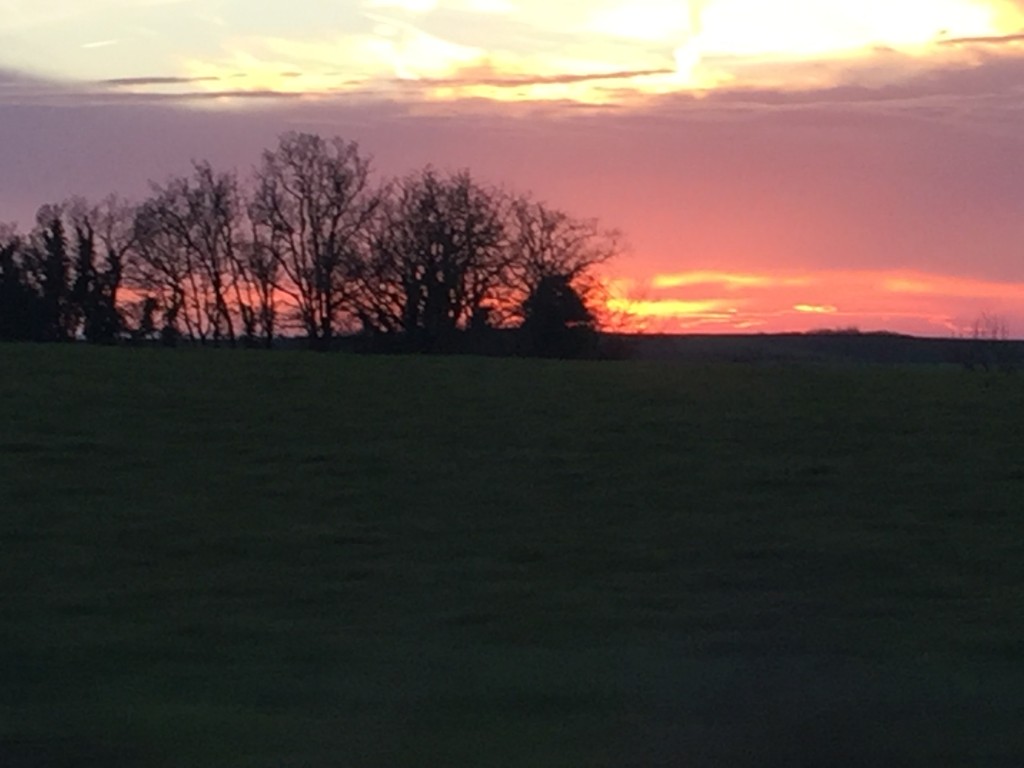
308 245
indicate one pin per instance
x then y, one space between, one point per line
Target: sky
773 165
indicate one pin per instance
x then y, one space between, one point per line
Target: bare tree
256 274
423 259
201 216
311 205
550 247
159 271
437 259
990 327
988 345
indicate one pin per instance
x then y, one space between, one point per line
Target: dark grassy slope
821 347
293 560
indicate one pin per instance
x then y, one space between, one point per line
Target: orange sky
721 302
776 166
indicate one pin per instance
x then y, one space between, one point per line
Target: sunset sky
774 165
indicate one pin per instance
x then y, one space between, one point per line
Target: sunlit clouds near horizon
606 51
906 301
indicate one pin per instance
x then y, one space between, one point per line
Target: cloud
984 40
605 52
980 88
22 90
653 21
724 279
796 29
486 75
815 309
952 287
674 308
25 15
914 301
155 80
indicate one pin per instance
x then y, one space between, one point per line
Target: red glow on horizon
900 301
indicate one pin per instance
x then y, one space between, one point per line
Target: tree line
308 245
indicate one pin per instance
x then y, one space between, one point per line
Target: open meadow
218 558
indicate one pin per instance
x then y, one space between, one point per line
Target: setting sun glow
771 164
769 302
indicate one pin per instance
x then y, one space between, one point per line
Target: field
285 559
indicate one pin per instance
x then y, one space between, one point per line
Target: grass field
284 559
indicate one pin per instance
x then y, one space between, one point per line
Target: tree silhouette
258 274
556 320
189 239
20 306
113 222
62 282
549 243
987 347
436 257
83 290
158 269
311 206
140 319
52 268
432 261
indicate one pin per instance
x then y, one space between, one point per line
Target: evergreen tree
20 305
556 320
